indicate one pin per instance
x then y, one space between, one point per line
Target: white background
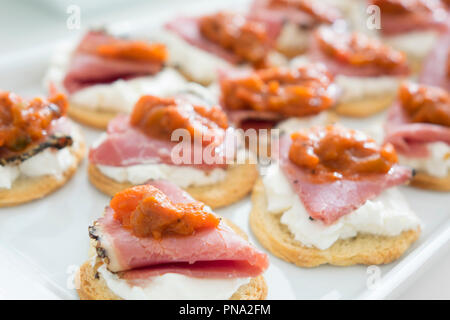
30 23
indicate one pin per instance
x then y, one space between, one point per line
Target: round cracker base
98 119
425 181
27 189
91 286
362 249
365 107
190 78
237 184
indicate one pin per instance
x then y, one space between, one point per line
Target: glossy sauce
358 50
148 212
245 38
23 123
108 46
332 153
425 103
159 117
133 50
290 92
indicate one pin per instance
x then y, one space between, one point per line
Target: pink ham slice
330 201
430 74
411 139
398 24
87 69
126 146
276 17
213 253
253 118
187 28
340 68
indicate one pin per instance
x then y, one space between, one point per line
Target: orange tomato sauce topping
425 103
234 32
108 46
358 50
159 117
332 153
319 11
148 212
25 122
399 7
290 92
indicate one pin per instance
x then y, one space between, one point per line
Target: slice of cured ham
126 145
411 139
280 13
87 68
330 201
217 252
428 15
337 67
187 28
439 56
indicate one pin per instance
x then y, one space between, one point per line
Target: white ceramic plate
42 243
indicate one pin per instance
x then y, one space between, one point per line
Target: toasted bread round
98 119
237 184
26 189
365 107
90 285
362 249
425 181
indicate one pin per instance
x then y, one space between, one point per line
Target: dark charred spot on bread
93 233
56 141
97 275
101 252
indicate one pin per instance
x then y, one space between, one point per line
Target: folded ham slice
330 201
126 145
276 16
187 28
254 119
430 74
212 253
394 24
336 67
411 139
88 69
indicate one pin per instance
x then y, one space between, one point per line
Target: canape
282 98
207 162
331 199
40 149
367 71
418 125
276 94
155 242
201 46
105 75
412 26
293 21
